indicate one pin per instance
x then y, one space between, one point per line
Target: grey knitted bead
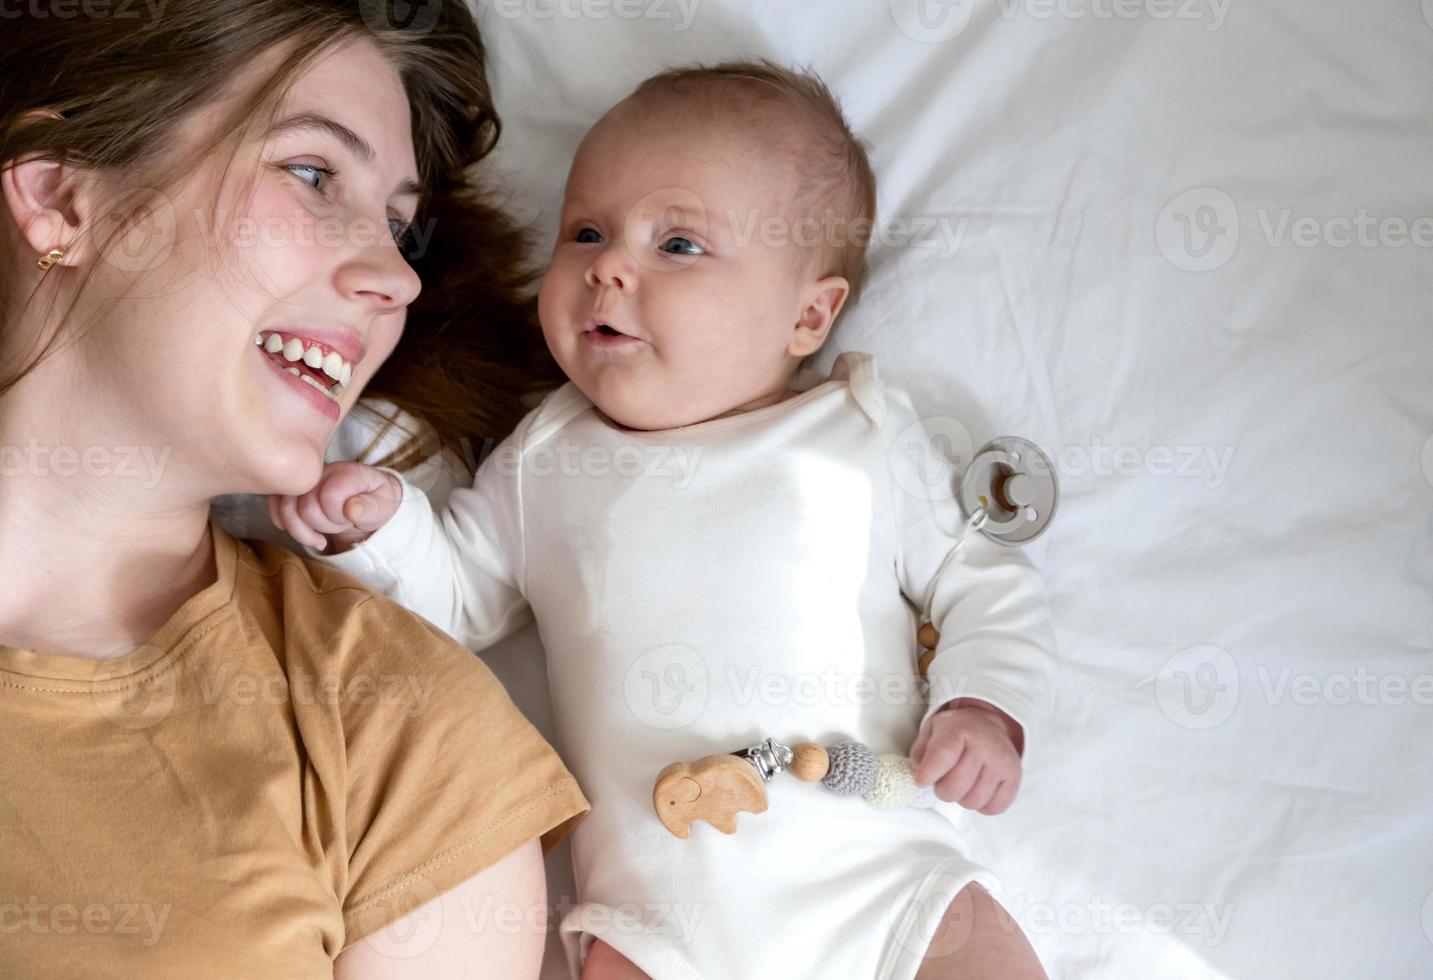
853 769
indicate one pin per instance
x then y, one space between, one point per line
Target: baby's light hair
796 112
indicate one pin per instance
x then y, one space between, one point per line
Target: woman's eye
587 236
400 229
677 245
296 168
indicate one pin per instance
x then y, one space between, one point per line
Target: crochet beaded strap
717 787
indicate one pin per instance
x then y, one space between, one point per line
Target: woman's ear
47 200
821 304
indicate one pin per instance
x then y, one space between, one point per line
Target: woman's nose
380 277
613 267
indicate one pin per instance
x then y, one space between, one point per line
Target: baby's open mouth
602 334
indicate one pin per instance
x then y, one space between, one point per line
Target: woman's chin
293 471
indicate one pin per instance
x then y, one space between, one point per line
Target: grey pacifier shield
1015 482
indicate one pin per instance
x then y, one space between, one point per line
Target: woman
222 760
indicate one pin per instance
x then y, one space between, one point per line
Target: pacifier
1013 482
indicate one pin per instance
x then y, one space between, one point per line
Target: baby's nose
612 267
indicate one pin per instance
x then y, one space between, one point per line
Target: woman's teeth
311 355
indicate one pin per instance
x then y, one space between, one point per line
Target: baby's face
675 294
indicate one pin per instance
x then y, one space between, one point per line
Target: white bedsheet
1184 245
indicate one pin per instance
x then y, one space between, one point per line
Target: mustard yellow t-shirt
291 763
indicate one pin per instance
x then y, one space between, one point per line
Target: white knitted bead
895 783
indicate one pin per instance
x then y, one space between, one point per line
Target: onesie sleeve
988 603
441 775
461 566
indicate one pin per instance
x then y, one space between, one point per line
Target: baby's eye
587 236
677 245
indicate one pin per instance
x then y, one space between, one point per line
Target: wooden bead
927 636
809 762
715 788
923 664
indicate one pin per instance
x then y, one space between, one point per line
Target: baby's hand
349 502
968 750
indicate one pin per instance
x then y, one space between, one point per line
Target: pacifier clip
716 788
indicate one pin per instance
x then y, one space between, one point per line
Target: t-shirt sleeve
997 642
443 775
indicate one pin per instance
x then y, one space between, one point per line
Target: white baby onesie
698 589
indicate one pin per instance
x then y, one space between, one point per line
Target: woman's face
184 363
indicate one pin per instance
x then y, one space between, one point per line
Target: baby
714 555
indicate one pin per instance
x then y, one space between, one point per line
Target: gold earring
54 256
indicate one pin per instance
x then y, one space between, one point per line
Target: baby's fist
968 751
349 502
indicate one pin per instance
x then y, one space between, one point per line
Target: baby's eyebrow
673 211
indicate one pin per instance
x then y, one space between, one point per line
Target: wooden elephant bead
715 788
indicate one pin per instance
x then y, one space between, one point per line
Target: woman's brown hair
110 94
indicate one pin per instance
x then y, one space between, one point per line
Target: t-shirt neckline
170 637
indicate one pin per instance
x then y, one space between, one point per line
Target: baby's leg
605 963
978 939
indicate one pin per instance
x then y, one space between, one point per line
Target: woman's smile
310 371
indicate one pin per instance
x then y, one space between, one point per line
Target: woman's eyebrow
317 122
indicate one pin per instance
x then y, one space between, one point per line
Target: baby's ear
820 305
